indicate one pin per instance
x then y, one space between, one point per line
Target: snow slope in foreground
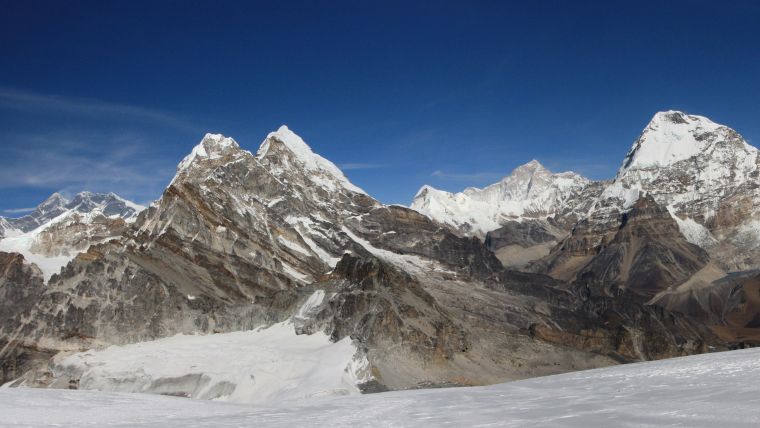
701 391
267 364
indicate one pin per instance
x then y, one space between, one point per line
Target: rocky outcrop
516 244
21 287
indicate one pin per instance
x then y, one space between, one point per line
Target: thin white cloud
356 166
73 162
475 176
35 102
589 168
19 210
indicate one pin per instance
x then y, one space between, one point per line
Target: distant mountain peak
58 229
533 166
529 191
53 202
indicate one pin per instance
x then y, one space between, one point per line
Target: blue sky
109 96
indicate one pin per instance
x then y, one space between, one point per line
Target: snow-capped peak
58 229
530 191
699 170
424 190
56 201
212 146
322 170
671 136
532 166
107 204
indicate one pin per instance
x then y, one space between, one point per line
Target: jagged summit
424 190
293 152
290 139
534 165
283 153
670 137
529 191
54 200
51 206
107 204
212 146
58 229
681 157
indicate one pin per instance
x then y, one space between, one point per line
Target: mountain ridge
240 241
59 228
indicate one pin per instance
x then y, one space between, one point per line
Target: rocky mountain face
703 174
706 175
21 287
646 255
241 240
677 227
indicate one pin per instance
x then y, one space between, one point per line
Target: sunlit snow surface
265 365
702 391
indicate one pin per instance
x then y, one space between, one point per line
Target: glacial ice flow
271 364
699 391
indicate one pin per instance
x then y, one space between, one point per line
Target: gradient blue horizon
110 96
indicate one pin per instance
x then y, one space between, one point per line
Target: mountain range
537 274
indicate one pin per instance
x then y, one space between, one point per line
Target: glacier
709 390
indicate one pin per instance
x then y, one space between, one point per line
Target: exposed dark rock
647 255
524 234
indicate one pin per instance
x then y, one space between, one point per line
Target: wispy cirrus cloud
358 166
19 210
84 146
42 103
475 176
70 162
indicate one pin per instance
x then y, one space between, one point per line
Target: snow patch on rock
694 232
